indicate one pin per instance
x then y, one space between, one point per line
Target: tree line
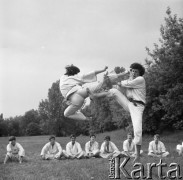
164 108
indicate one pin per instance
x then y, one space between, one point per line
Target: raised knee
66 114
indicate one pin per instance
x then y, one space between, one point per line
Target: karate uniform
52 152
72 87
130 148
110 151
157 148
74 151
92 148
16 151
179 148
135 89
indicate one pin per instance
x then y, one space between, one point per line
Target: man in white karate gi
15 151
129 146
179 148
157 148
92 147
52 150
73 149
72 89
109 149
133 102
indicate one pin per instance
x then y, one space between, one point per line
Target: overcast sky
38 38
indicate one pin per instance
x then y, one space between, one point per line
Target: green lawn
85 169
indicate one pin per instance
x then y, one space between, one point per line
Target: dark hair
107 138
72 136
157 135
130 133
51 137
71 70
11 138
91 135
139 67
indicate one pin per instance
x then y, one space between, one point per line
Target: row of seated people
53 150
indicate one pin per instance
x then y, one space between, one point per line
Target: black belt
135 102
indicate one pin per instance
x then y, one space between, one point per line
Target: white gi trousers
76 101
136 113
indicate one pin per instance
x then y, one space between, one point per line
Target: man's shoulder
125 141
69 143
161 142
140 78
63 77
57 143
77 143
8 145
112 143
103 143
18 144
151 142
47 144
87 142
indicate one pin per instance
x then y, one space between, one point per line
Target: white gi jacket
73 149
91 148
56 149
70 84
156 149
15 150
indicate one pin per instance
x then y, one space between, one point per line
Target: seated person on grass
157 148
179 149
52 150
108 149
129 146
92 147
15 151
73 149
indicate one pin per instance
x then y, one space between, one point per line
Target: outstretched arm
101 71
122 74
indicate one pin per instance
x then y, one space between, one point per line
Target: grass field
83 169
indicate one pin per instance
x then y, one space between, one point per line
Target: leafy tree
3 126
164 78
56 109
33 129
44 115
30 116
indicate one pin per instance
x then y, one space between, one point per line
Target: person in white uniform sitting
109 149
52 150
14 151
92 147
157 148
129 146
179 149
73 149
